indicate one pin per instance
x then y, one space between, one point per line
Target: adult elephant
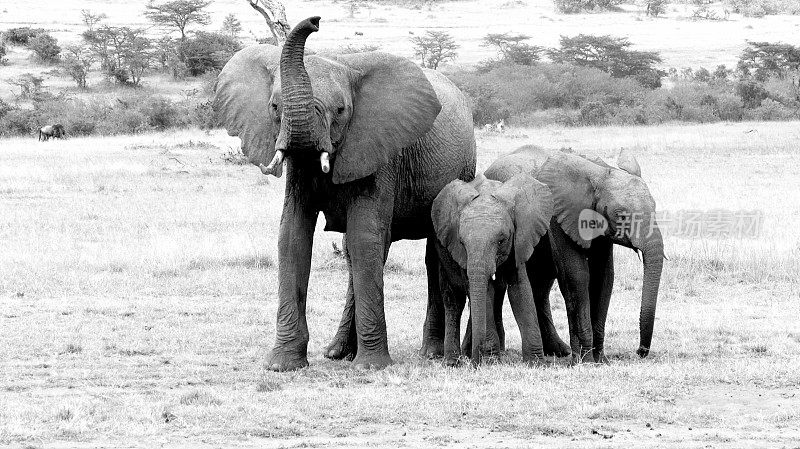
585 190
369 140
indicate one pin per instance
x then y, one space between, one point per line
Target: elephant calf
48 131
486 232
588 191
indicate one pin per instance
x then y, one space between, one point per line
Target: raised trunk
653 260
297 127
478 307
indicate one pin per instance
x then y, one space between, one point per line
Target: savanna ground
138 301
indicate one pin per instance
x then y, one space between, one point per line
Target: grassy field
138 301
682 42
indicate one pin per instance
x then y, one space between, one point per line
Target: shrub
770 110
751 93
21 36
45 47
2 53
18 121
577 6
162 113
204 52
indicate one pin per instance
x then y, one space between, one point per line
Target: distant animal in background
359 33
48 131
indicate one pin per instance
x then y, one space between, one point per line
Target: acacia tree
764 63
178 14
77 61
91 19
513 49
611 55
231 26
124 53
275 15
434 48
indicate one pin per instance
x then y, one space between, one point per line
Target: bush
577 6
205 52
21 36
514 91
2 53
760 8
45 47
770 110
19 121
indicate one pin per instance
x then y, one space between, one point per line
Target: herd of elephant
386 151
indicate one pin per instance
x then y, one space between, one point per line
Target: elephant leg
520 296
601 283
344 343
294 265
433 331
454 300
541 285
573 280
368 239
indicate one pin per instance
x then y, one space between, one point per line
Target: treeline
599 80
124 56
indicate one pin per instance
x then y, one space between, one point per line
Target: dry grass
137 303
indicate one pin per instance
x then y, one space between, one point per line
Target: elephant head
579 184
489 228
351 113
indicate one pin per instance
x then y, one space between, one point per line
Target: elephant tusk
276 161
274 167
324 161
493 276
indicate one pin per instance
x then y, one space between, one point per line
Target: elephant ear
241 100
628 162
572 192
394 105
533 208
445 214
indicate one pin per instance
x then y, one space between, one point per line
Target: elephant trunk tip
311 24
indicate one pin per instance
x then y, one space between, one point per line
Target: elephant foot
366 360
600 357
283 360
432 349
341 349
534 362
642 351
452 360
556 347
582 357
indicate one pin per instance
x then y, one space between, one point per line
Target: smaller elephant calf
486 231
48 131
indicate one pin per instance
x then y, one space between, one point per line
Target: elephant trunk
478 306
297 125
652 260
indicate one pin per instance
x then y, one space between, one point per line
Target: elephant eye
340 110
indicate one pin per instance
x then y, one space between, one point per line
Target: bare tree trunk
275 15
